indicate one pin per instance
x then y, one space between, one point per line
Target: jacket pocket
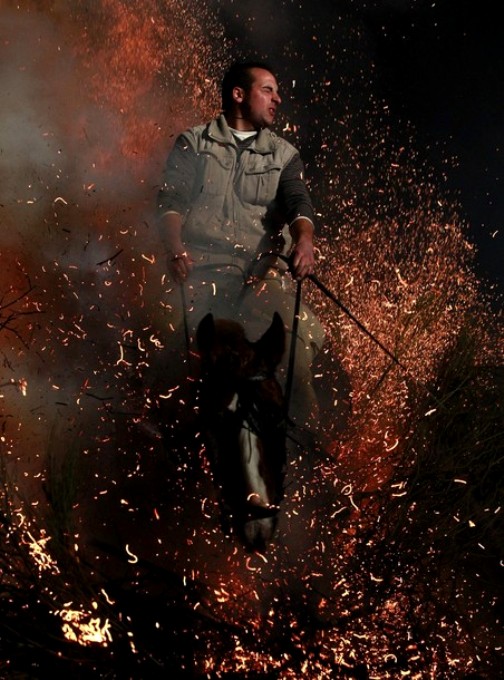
259 182
213 174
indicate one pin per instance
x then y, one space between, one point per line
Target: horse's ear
205 333
271 345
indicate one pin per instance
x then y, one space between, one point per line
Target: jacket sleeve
293 193
178 178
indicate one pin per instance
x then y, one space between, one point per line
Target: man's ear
238 94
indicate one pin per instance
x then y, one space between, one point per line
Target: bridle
259 420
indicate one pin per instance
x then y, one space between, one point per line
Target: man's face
259 104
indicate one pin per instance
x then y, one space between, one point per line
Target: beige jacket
228 199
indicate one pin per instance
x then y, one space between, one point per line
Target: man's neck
237 122
242 135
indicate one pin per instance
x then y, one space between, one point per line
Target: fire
79 626
82 628
39 554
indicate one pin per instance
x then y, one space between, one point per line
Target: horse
241 407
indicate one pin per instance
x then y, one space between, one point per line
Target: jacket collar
218 129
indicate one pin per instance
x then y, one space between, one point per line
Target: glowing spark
134 558
350 498
167 396
157 343
394 446
401 280
107 598
121 359
249 566
375 578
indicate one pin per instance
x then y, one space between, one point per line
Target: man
232 191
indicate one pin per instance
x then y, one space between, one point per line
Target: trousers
227 293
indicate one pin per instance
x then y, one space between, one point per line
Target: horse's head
230 357
242 411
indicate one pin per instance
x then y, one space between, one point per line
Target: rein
259 421
329 294
292 352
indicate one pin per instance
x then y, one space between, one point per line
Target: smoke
93 96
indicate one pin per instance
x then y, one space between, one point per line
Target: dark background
442 67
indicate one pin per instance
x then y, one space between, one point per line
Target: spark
121 359
249 565
107 598
133 558
156 342
394 446
375 578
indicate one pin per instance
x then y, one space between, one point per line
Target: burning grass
403 575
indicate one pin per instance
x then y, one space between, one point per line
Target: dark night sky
441 66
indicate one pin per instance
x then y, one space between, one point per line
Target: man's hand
180 262
179 266
302 260
302 255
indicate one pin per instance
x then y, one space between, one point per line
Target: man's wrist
177 255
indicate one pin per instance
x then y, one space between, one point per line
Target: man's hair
239 74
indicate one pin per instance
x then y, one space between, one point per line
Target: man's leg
259 303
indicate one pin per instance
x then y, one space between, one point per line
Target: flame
83 628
